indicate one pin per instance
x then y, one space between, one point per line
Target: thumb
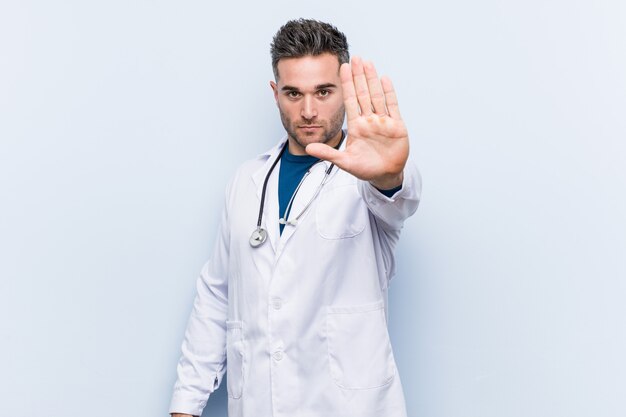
327 153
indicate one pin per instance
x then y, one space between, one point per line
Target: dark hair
298 38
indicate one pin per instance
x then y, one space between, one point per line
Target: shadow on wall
217 406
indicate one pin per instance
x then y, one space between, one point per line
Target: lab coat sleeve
389 214
203 361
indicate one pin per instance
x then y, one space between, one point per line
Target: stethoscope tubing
259 234
267 177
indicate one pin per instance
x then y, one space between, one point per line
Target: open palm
378 144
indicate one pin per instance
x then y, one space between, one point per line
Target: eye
293 94
323 93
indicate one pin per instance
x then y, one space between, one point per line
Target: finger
390 98
349 94
360 85
375 88
327 153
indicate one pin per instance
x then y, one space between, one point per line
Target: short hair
302 37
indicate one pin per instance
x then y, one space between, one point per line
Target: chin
308 139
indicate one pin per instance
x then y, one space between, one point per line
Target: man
294 308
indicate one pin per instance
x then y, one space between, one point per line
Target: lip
309 127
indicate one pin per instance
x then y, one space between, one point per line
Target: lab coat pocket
234 358
359 349
341 212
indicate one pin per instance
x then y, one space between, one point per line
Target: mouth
309 127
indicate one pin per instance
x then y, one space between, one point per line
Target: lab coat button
278 355
277 303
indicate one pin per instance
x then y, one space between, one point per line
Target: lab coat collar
270 156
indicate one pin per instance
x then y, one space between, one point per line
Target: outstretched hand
377 146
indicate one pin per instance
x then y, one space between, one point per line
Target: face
309 98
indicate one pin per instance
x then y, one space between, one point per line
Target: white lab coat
299 323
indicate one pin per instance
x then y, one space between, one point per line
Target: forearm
202 363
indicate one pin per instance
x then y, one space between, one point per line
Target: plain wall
121 122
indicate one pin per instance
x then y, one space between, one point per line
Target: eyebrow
324 86
317 87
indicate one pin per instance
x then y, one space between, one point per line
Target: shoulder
253 165
255 169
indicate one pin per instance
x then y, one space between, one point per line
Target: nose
308 108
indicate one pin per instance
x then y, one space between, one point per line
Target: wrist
388 182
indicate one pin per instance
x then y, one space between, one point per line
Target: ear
275 89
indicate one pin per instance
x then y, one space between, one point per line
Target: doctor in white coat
298 319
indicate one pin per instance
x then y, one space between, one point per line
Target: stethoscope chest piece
258 237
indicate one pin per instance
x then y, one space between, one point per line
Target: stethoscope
259 235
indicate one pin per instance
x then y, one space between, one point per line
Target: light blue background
121 122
